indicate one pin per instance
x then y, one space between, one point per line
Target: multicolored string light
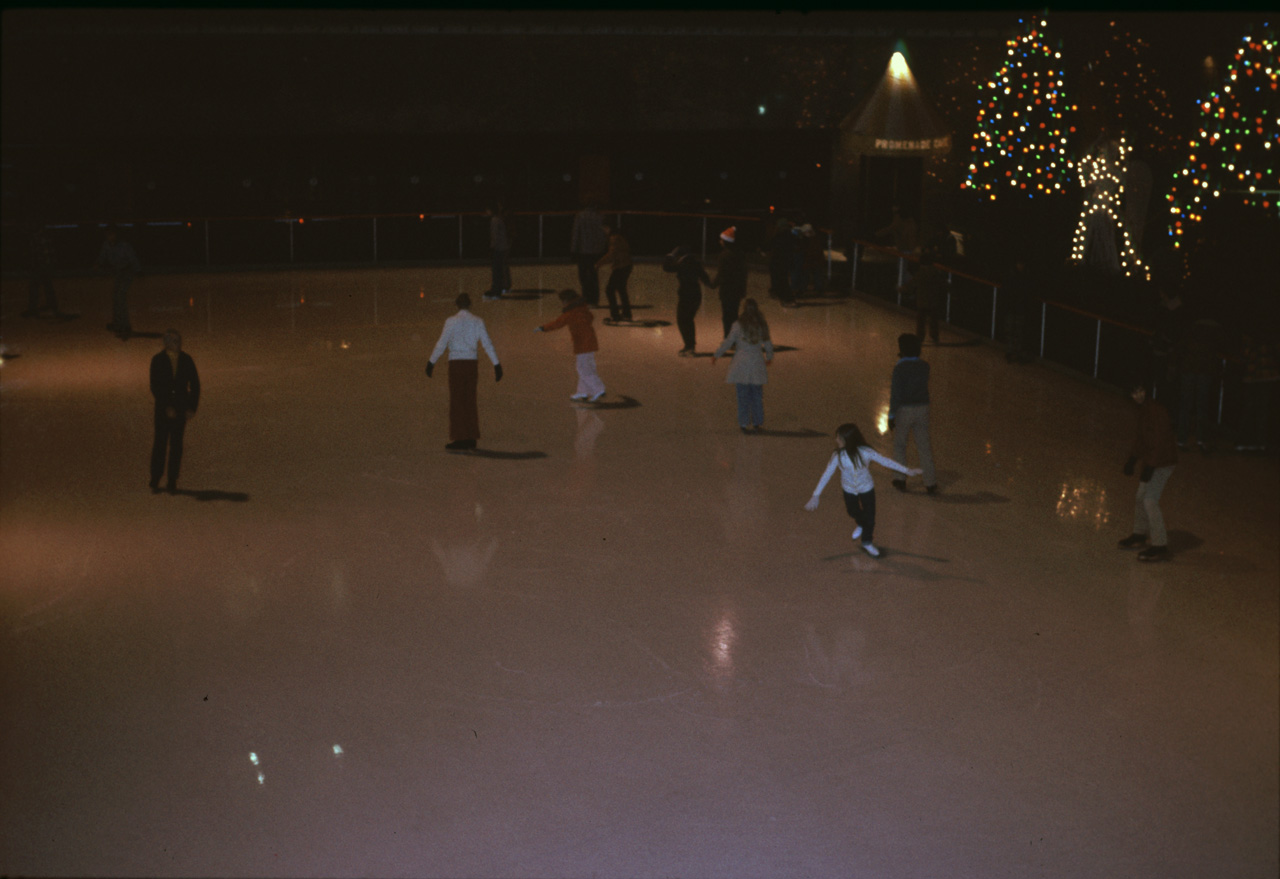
1122 86
1019 147
1236 152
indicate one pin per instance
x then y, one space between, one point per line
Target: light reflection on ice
1086 500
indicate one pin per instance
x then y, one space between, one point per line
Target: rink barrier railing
1127 359
398 238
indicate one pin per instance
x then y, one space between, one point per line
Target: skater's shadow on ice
622 403
803 433
1184 541
213 494
897 554
978 497
646 324
493 453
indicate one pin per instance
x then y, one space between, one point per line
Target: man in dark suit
176 386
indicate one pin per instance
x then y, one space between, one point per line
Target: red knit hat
729 234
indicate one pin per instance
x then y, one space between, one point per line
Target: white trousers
589 383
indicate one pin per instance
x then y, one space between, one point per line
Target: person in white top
463 335
855 480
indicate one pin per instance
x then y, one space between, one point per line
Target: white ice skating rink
633 655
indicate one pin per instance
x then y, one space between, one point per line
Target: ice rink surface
620 647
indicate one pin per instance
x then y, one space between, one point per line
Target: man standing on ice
175 384
463 335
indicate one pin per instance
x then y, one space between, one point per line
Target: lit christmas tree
1019 147
1120 88
1236 152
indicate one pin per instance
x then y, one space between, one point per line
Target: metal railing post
1044 313
540 236
704 239
291 241
948 318
853 273
1222 388
995 291
375 251
1097 348
828 259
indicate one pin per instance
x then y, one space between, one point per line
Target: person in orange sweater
577 316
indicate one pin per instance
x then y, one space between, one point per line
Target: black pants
862 509
616 289
589 277
169 433
42 281
927 315
729 305
686 310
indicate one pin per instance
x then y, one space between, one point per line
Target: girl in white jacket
855 480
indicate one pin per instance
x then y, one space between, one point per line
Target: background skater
909 410
577 316
690 276
463 335
1155 451
615 289
752 350
587 244
731 277
118 256
175 384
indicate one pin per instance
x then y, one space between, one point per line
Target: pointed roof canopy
895 121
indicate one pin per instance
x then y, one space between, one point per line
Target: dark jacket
689 272
731 273
180 390
1153 441
929 286
910 385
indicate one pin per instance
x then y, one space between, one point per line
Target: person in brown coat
577 316
1155 450
619 256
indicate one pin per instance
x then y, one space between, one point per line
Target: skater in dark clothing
1016 294
929 287
118 256
500 253
1155 452
619 256
175 384
587 244
691 275
731 278
41 276
782 247
909 410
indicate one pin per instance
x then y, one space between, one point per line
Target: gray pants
914 420
1147 518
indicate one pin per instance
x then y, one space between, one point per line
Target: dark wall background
115 114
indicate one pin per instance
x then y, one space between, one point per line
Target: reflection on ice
1086 500
721 640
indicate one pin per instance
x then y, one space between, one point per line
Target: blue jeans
750 405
